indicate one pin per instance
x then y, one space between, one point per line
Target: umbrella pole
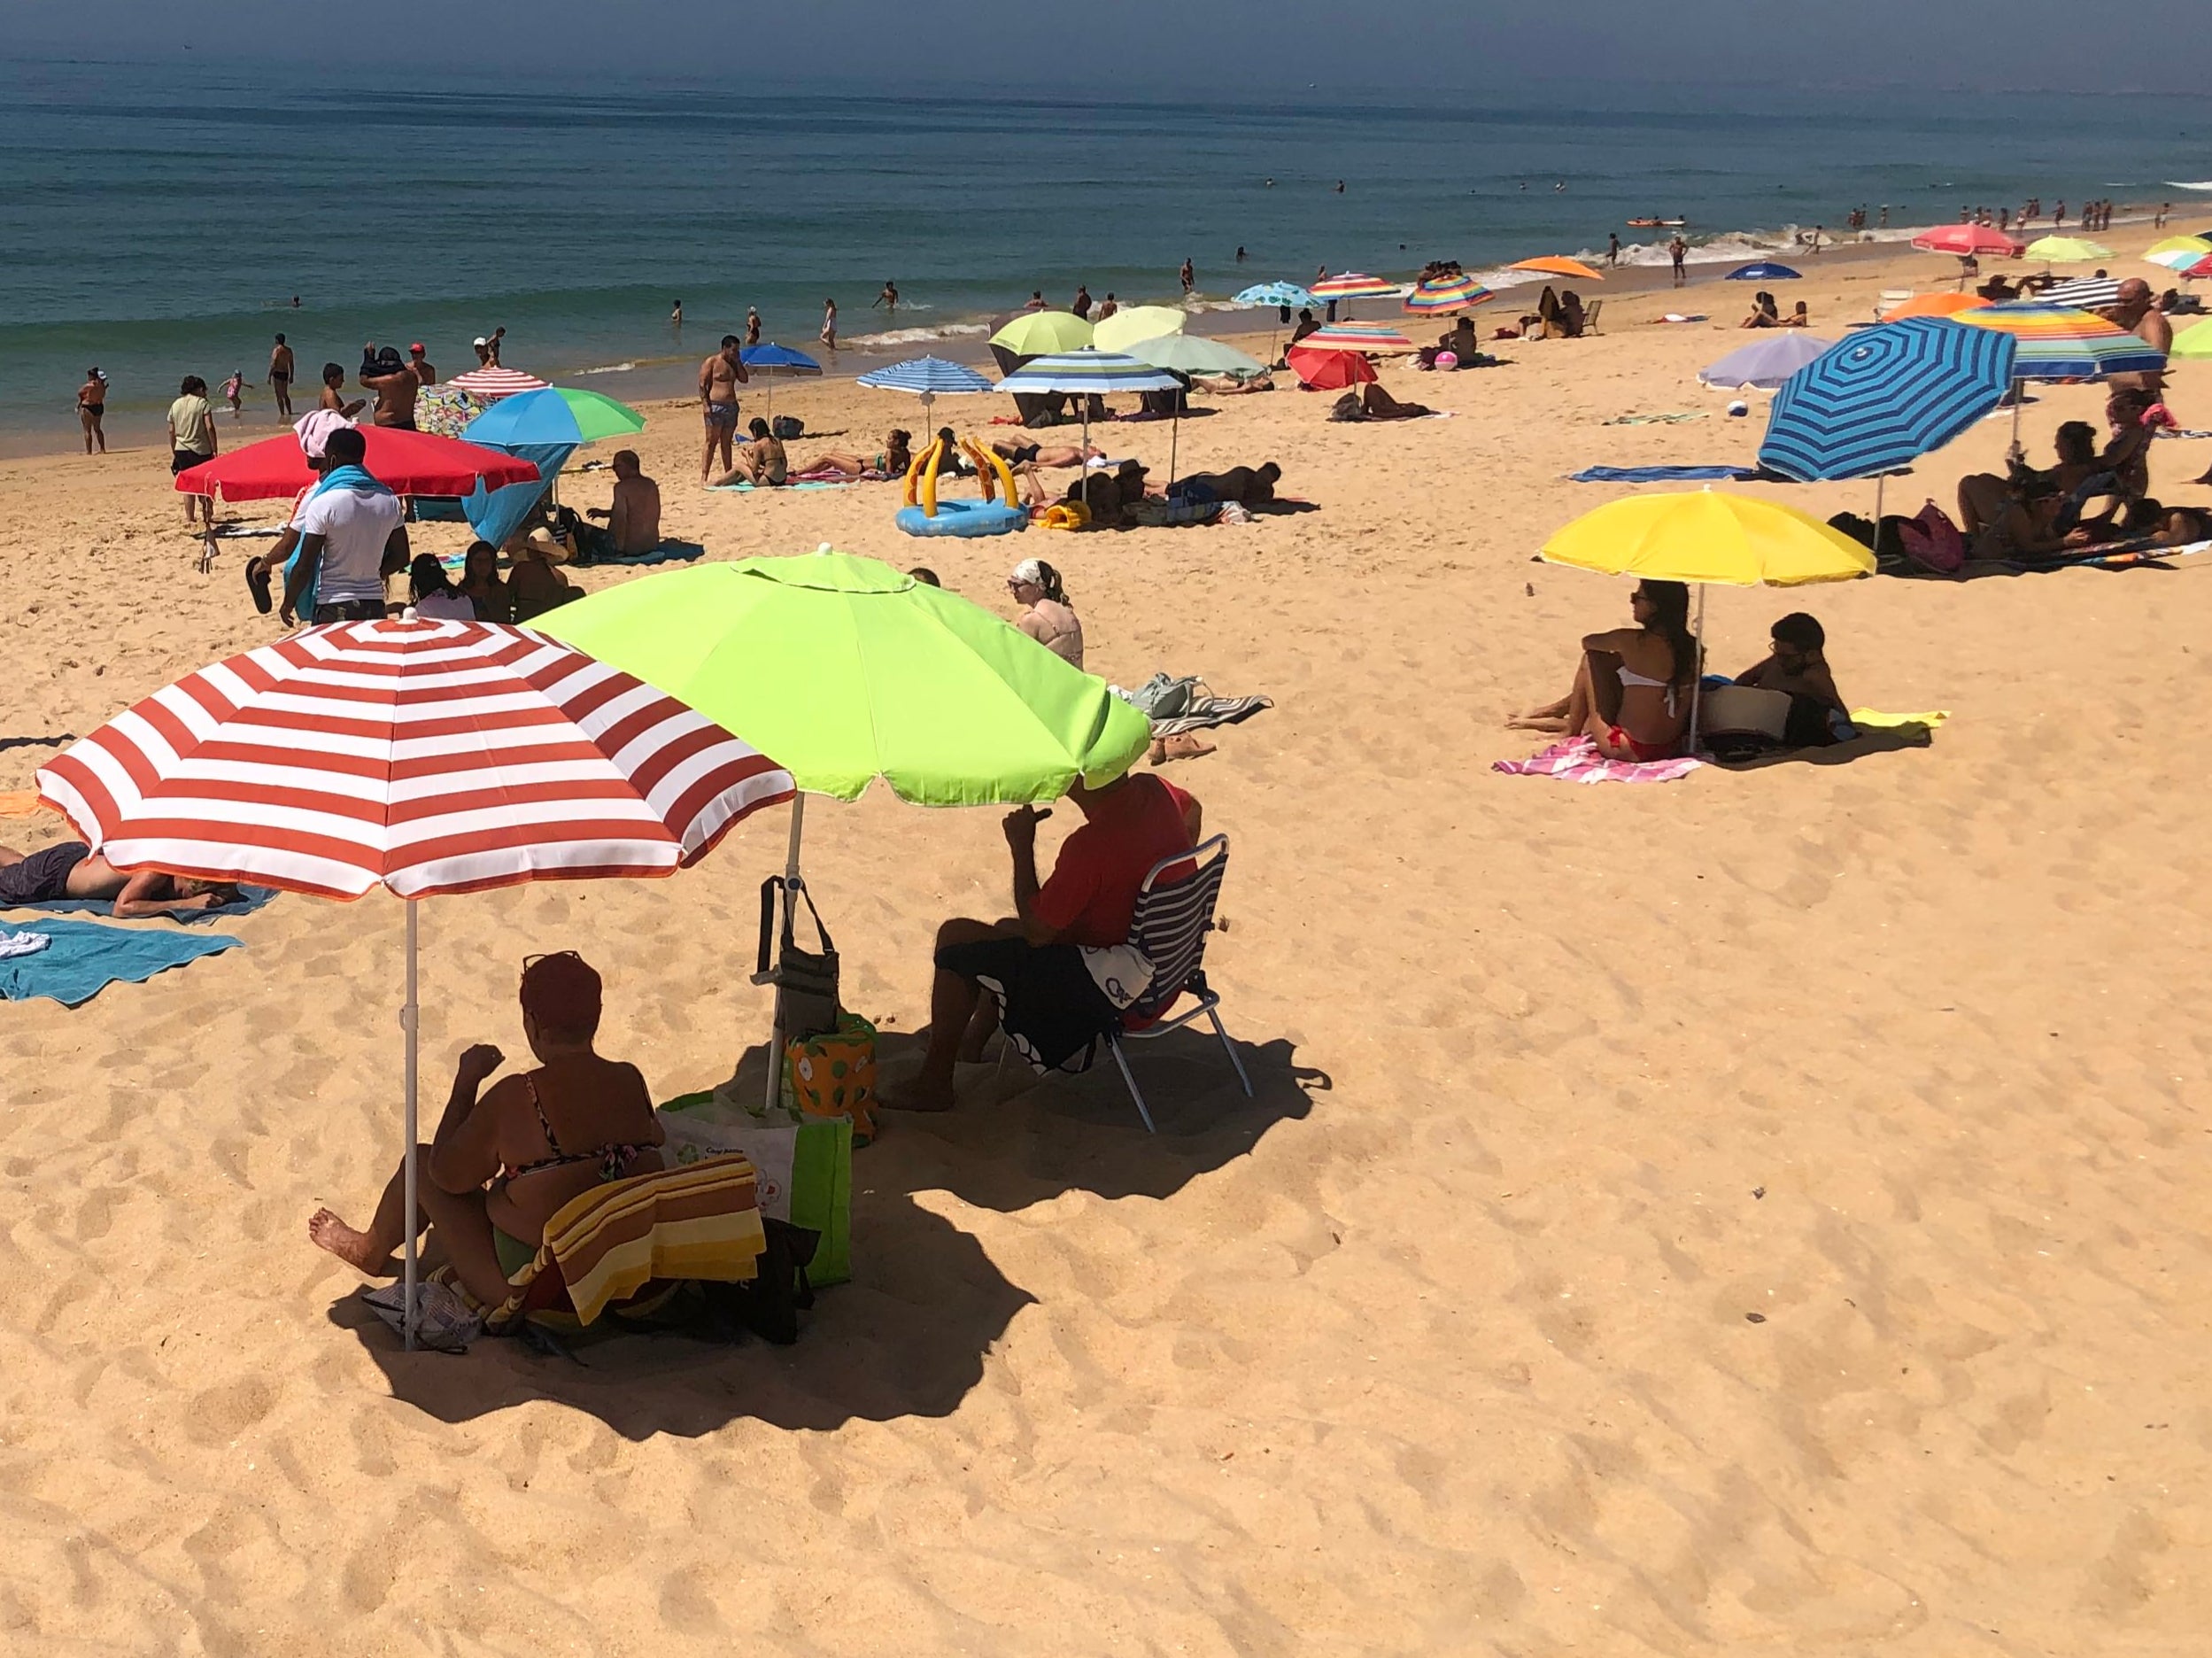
1697 683
1174 439
407 1021
1087 452
2016 412
790 903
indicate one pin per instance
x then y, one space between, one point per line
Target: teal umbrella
554 415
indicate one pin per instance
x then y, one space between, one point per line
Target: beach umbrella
2202 267
857 671
2195 341
1329 370
1040 333
1554 265
928 377
1766 363
405 461
2059 342
554 415
1934 305
2181 261
771 361
1966 241
489 384
2195 244
1884 397
2088 294
424 757
1356 337
1707 537
1085 373
1281 295
1763 270
1353 285
1120 330
1195 354
2058 250
1445 294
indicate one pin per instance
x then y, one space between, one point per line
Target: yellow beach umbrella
2195 341
2058 250
1041 333
1123 329
2195 244
1707 538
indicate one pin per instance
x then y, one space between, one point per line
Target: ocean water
158 222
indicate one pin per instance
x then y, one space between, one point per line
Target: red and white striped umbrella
424 757
490 384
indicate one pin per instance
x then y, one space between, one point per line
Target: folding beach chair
1590 316
1889 299
1174 913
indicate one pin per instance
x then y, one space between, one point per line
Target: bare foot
329 1232
1537 721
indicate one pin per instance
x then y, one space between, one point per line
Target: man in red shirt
1047 969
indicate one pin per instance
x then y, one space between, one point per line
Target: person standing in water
234 390
1189 277
91 408
675 314
829 323
888 299
751 326
280 378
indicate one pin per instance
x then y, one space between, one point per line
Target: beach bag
1932 541
1164 696
786 427
803 1166
833 1075
805 981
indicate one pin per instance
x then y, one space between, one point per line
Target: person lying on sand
1017 455
1631 691
1249 486
892 461
1372 402
1108 495
1231 385
1041 987
70 868
760 461
503 1163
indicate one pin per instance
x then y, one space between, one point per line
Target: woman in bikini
502 1164
892 461
1631 693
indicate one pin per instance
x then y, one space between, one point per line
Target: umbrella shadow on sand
1889 740
907 1337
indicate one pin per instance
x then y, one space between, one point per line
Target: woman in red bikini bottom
1631 693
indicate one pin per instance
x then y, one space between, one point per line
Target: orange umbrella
1938 304
1555 266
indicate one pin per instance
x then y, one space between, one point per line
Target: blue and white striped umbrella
1884 397
932 377
1083 372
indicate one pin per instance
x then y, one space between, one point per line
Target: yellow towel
1875 720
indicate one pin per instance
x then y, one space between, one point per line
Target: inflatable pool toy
1066 515
997 513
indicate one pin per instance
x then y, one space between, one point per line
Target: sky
1137 47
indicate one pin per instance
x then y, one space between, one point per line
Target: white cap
480 340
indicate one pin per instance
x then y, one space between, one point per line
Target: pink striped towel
1576 760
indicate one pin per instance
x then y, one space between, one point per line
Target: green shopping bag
805 1165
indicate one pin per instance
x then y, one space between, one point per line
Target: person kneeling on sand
1248 486
70 868
1632 688
1051 970
502 1165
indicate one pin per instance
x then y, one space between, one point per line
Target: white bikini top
1630 678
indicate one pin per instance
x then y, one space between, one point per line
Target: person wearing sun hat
1046 617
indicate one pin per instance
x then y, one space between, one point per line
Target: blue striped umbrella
932 376
1085 372
1884 397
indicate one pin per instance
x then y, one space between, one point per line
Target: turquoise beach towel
84 958
250 899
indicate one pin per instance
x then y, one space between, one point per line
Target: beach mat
1657 473
1576 760
795 484
82 958
250 899
670 552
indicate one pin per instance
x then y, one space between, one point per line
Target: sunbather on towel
1048 968
759 463
502 1165
1020 455
1372 402
892 461
1631 691
1248 486
70 868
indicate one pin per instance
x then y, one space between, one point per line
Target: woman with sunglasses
502 1164
1046 617
1631 691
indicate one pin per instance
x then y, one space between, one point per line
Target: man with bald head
2136 309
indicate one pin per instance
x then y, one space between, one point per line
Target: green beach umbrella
1193 354
2058 250
1118 331
2194 342
1040 333
555 414
845 670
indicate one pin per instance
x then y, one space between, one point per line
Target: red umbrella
405 462
1325 370
1967 239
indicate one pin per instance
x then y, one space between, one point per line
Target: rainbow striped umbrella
1356 337
2059 342
2179 253
1458 292
1355 285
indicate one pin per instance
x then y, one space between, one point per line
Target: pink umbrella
1969 240
489 384
424 757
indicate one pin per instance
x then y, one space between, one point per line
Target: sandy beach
1760 1213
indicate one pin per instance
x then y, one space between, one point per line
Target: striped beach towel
700 1221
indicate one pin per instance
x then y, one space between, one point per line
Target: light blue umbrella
1084 372
930 377
1766 362
1285 297
1884 397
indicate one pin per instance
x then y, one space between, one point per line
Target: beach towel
83 957
250 899
695 1222
670 552
792 483
1654 419
1576 760
1657 473
1875 720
